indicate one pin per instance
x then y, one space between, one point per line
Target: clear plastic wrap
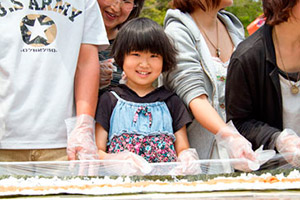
118 168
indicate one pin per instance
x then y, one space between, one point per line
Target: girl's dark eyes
138 54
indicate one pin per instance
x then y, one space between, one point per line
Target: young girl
137 117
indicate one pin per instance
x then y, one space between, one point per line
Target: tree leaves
245 10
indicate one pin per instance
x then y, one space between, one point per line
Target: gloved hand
262 156
126 163
288 145
81 140
123 80
187 163
237 147
106 72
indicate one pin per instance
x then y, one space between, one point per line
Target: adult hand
237 147
106 72
126 163
81 138
123 80
288 145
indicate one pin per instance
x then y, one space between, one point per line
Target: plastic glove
288 145
84 167
81 140
263 156
123 80
126 163
106 72
237 147
187 163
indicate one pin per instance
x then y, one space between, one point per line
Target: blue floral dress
142 128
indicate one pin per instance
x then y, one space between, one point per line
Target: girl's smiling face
142 68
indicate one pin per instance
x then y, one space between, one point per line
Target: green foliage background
245 10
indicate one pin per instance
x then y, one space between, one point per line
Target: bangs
144 35
145 39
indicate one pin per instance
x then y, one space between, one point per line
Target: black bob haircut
144 34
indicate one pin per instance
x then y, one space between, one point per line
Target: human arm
188 79
106 104
192 79
180 119
206 115
87 80
226 136
181 142
101 140
250 100
81 143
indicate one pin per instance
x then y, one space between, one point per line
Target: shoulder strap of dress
116 95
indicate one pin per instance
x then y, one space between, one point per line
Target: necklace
294 87
218 50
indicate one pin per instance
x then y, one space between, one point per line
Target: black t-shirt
107 102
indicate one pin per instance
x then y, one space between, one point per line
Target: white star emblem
38 30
